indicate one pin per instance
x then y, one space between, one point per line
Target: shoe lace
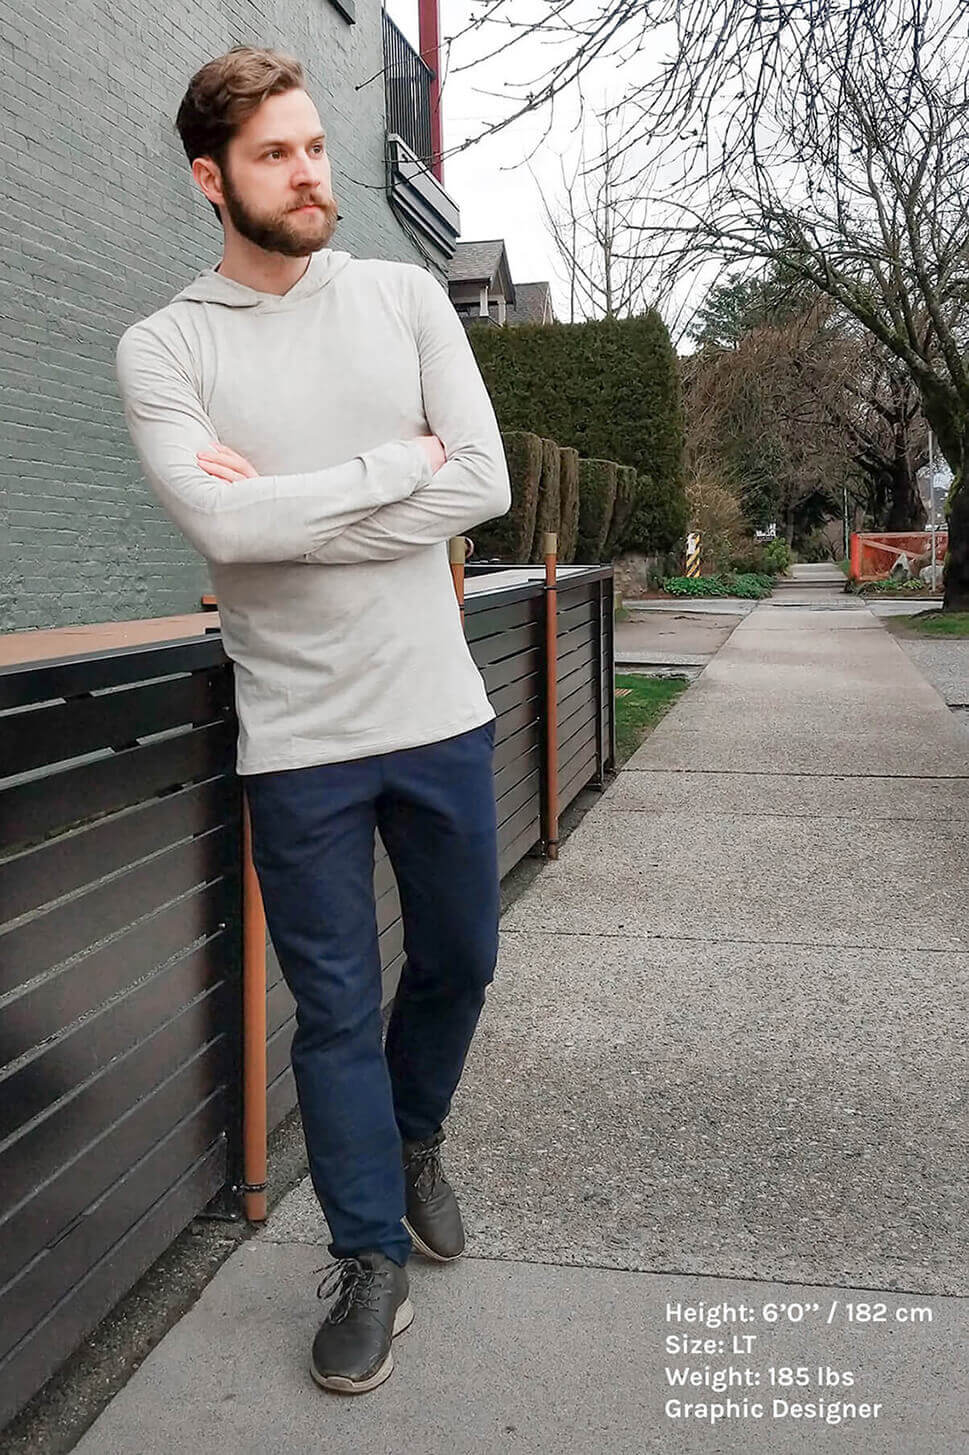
353 1283
426 1159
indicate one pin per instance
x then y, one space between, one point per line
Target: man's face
276 165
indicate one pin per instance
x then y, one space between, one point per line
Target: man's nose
306 172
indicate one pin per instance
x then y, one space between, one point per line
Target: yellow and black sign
693 553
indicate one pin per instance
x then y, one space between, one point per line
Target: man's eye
318 146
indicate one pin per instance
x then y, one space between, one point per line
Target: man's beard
281 232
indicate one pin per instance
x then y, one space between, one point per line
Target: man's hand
225 464
436 452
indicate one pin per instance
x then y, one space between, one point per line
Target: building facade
104 224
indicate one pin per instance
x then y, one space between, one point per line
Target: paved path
945 662
683 638
723 1060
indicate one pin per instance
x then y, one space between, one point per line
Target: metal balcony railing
407 82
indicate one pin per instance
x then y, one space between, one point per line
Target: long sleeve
473 485
269 517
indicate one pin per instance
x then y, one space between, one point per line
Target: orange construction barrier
874 553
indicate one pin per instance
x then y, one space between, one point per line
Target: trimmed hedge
548 513
608 388
627 488
568 506
510 537
598 480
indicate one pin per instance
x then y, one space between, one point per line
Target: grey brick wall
103 225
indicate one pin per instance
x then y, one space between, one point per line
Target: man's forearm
259 519
472 486
464 492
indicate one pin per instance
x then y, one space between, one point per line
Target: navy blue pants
313 848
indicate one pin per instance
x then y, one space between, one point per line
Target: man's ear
208 178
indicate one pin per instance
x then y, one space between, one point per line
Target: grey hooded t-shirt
331 566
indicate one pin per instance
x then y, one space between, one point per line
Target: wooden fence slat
54 935
66 864
44 1217
31 811
54 1003
44 736
53 1339
85 1115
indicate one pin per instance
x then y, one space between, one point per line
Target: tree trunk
948 420
905 508
955 577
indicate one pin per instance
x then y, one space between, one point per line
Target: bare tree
827 137
593 221
881 413
766 416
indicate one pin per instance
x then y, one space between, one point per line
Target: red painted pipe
253 1033
429 20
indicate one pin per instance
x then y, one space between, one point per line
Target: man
318 429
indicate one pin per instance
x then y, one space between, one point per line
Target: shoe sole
422 1247
341 1384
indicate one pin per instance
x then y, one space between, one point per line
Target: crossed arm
382 504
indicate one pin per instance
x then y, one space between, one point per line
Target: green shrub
766 558
777 554
548 513
509 538
747 555
752 586
626 490
915 586
607 388
694 586
568 506
598 480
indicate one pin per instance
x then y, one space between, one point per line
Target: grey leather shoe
352 1349
433 1216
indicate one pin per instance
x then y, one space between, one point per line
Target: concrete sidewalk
723 1062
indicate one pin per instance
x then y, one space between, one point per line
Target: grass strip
640 703
936 624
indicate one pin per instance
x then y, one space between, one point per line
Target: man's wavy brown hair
226 92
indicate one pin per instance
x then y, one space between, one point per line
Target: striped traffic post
693 554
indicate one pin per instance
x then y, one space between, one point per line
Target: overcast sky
491 182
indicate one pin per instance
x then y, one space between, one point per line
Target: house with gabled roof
533 304
483 291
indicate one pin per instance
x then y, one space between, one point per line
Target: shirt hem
320 757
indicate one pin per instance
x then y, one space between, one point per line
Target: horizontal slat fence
120 937
119 962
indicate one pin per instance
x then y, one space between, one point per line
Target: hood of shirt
211 287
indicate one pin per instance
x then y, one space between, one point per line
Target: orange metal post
550 553
457 552
254 1160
